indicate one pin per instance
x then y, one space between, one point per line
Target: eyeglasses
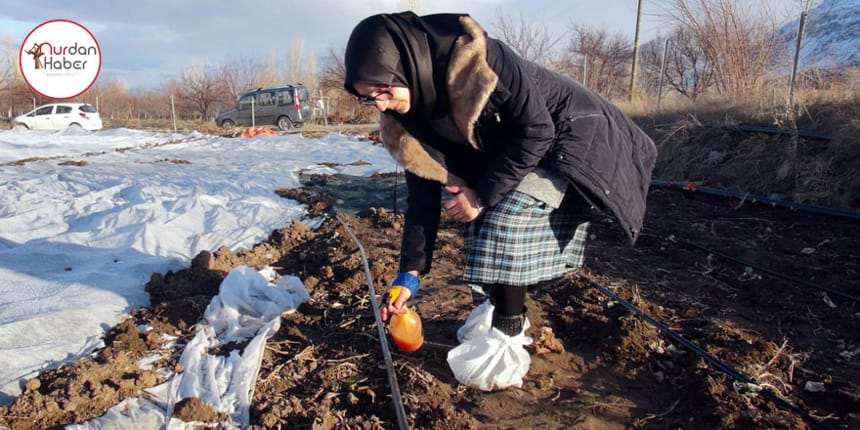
382 96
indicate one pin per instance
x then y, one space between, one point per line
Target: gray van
286 106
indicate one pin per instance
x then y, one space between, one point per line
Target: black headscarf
404 49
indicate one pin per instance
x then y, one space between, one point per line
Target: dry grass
805 170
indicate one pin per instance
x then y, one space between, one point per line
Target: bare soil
595 364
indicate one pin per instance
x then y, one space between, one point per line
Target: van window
45 110
245 102
303 95
285 97
265 99
64 109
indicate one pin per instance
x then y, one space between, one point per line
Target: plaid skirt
522 241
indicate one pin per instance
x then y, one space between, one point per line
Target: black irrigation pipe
691 186
752 128
725 368
799 132
396 397
773 273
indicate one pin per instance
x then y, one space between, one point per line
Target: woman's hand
394 300
463 206
396 306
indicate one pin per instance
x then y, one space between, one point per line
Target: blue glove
408 281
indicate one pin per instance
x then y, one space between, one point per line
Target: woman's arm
422 223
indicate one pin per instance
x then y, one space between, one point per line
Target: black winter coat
516 116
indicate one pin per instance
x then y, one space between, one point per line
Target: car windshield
88 109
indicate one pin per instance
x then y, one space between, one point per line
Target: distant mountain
831 37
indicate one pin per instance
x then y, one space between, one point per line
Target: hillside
831 37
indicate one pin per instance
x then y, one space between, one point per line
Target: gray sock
509 325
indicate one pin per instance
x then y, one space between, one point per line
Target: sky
78 244
147 43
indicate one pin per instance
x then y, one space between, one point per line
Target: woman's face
384 97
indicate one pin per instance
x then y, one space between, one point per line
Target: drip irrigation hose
773 273
725 368
696 188
396 398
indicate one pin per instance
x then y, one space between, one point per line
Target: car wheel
284 123
228 124
20 127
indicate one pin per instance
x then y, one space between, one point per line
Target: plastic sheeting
247 308
488 359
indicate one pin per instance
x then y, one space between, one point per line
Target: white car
60 116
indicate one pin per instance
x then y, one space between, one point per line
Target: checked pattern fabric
522 241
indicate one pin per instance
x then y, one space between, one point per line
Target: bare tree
738 38
201 89
295 59
239 76
530 40
152 102
342 106
687 70
268 71
334 71
310 74
7 73
604 56
114 99
15 96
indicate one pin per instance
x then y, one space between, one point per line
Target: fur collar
470 83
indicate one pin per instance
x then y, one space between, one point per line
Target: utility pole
585 72
635 51
662 73
796 60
